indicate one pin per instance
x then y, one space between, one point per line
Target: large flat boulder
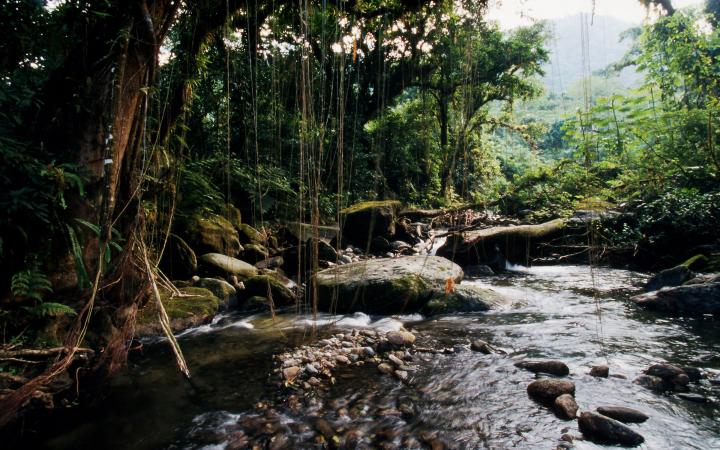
691 299
385 286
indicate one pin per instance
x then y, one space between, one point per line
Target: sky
513 13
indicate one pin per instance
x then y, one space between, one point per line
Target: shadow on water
472 400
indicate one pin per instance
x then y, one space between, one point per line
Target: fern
83 278
31 284
50 309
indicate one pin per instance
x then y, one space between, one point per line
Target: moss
371 204
696 263
249 234
258 286
197 306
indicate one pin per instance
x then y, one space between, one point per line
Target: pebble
385 368
402 375
395 360
400 338
368 351
342 359
290 373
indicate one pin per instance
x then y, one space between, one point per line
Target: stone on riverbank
364 221
669 278
385 286
178 260
212 233
691 299
604 430
195 307
267 284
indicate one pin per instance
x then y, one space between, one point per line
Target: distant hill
565 68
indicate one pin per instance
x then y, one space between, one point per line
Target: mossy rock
211 233
233 215
217 264
249 235
464 298
255 252
385 286
195 307
696 263
366 220
258 286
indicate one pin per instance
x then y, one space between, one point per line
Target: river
579 315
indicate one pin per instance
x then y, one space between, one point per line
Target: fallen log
492 246
40 353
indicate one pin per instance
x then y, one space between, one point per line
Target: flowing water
470 400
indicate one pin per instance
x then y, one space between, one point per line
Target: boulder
566 407
255 252
400 338
623 414
249 235
491 246
464 298
548 389
211 233
384 286
267 285
650 382
604 430
326 252
178 261
223 290
270 263
669 278
194 307
363 221
218 264
692 299
478 345
551 367
479 270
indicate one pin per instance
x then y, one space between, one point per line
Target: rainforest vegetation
138 137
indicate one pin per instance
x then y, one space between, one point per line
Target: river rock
479 270
221 288
385 368
548 389
195 307
400 338
269 284
249 235
566 406
669 278
692 299
270 263
696 398
623 414
395 360
290 373
604 430
227 265
600 371
650 382
401 375
211 233
551 367
364 221
673 376
384 286
178 260
254 252
481 346
465 298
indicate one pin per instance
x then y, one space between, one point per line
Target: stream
464 398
